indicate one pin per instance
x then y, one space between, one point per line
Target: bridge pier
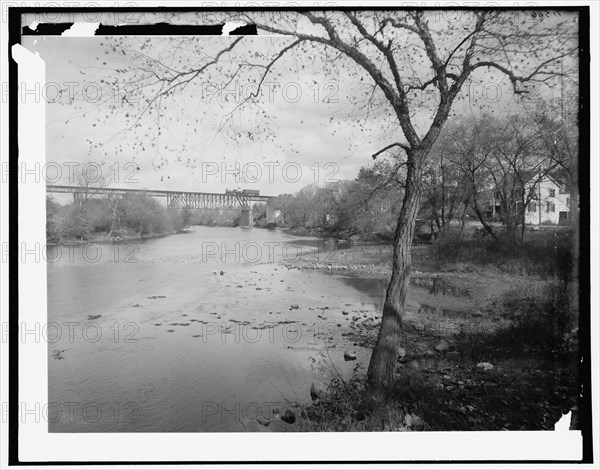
247 218
77 198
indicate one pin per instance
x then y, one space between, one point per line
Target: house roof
527 176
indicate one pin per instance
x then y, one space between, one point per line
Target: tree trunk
462 218
523 222
481 217
115 222
383 359
510 229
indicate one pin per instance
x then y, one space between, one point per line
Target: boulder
485 366
263 421
442 346
348 356
288 417
401 353
57 353
317 390
413 422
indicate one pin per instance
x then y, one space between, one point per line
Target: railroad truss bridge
236 199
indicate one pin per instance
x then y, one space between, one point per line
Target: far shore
104 238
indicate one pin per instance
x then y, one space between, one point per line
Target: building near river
552 204
547 202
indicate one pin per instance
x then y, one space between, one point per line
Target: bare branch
404 147
515 79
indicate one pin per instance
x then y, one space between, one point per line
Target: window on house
569 201
552 192
550 207
531 207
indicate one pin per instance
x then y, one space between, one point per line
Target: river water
192 332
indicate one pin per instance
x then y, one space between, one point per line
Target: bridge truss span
188 199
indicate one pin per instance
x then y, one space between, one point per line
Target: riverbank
105 238
483 347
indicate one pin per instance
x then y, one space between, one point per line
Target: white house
550 205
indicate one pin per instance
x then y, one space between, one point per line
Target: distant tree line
131 215
366 205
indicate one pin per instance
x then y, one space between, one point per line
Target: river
202 331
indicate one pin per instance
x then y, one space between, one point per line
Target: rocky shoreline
359 269
457 339
361 260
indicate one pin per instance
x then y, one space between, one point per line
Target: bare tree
557 128
469 146
403 53
444 190
517 167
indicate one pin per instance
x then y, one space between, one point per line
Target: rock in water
57 353
485 366
317 390
442 346
263 421
348 356
295 307
288 417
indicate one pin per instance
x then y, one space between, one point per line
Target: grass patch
345 409
544 253
539 324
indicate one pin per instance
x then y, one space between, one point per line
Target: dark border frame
15 32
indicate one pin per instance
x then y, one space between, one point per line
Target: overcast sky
306 117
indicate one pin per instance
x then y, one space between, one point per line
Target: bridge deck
197 200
